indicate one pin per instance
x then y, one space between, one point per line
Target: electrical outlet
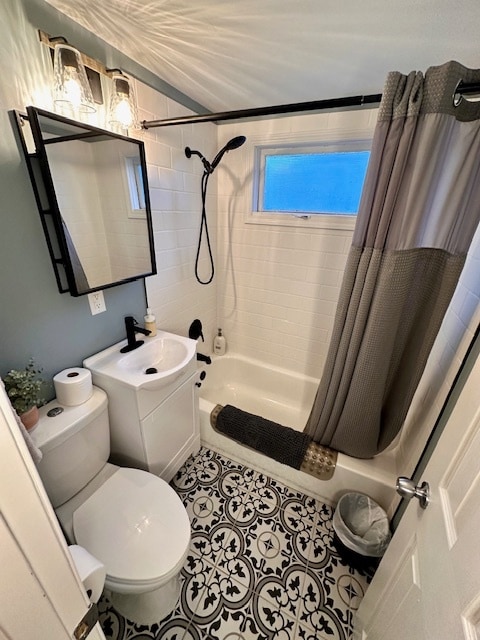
96 302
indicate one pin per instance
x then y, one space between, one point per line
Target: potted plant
24 388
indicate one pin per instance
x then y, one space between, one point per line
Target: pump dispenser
150 323
219 344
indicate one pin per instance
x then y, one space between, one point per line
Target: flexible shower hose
204 226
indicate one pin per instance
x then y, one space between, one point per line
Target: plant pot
30 418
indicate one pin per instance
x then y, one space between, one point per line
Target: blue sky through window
314 182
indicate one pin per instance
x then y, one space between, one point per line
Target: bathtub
286 398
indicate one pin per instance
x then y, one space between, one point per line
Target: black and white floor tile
261 565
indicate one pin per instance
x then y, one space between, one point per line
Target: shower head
234 143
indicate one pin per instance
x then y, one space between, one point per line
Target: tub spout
203 358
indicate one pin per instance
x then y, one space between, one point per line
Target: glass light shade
71 87
123 104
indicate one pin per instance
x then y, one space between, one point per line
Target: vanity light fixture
71 87
77 77
122 112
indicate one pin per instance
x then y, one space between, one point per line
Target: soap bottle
219 344
150 323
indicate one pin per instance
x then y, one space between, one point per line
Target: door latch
87 623
407 489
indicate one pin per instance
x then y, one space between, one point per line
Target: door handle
407 489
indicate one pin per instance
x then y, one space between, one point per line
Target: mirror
92 194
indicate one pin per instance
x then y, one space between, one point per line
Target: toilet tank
75 444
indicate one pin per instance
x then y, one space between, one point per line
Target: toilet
129 519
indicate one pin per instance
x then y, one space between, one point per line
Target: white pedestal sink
152 402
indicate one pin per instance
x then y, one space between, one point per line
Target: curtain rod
295 107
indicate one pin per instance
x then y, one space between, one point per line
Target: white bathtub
284 397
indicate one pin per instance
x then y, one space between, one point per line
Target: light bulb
123 113
72 91
123 106
71 87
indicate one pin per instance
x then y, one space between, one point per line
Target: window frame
334 141
135 190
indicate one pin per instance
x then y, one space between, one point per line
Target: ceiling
235 54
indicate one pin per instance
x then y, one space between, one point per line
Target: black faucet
203 358
132 327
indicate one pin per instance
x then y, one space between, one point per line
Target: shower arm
193 152
234 143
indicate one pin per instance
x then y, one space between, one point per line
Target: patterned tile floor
261 565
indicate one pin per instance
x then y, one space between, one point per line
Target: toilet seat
137 526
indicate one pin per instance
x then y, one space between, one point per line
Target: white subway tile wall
278 285
173 294
79 201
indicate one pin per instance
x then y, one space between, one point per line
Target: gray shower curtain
419 210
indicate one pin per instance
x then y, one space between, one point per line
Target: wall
174 294
91 187
126 234
36 320
78 198
279 285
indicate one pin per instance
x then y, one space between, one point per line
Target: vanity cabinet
155 430
171 432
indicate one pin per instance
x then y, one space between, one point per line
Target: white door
40 592
428 584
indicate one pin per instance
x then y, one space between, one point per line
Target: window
329 182
135 187
316 182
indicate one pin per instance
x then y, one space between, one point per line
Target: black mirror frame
47 204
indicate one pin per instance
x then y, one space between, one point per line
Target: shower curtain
419 210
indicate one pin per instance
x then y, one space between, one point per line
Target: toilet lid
136 525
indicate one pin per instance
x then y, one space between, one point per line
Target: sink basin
152 365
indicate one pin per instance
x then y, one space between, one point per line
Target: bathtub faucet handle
195 331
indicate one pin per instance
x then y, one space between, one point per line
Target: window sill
308 221
137 214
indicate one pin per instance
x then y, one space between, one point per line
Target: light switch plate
96 302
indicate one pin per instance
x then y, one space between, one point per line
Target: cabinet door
172 432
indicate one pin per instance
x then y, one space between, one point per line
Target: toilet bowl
129 519
137 526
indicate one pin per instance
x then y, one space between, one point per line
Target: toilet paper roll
73 386
91 571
